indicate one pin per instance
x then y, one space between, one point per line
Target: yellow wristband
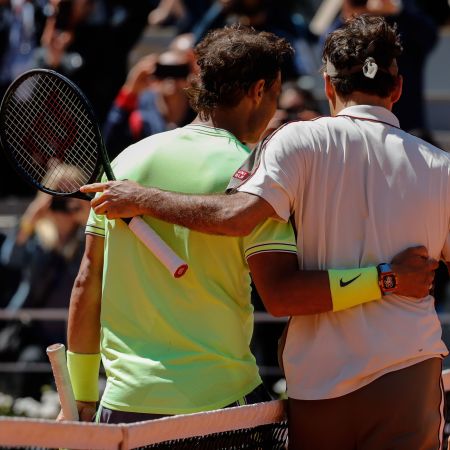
83 371
351 287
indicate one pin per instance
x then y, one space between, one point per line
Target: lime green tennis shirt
180 346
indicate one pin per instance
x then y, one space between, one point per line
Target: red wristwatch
387 279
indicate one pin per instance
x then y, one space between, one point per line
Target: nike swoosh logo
346 283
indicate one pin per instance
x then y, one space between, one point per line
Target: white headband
369 69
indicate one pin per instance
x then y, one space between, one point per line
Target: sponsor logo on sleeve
241 174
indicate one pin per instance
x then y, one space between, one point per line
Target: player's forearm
83 336
288 299
213 214
83 331
287 291
229 215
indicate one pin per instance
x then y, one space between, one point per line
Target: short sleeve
270 236
279 177
95 224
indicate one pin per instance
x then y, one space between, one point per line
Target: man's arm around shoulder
229 215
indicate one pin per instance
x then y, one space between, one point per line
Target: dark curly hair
231 59
348 47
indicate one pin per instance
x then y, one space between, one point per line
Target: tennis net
261 426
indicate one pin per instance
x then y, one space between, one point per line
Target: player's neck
359 98
228 120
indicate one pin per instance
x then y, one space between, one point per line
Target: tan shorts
402 410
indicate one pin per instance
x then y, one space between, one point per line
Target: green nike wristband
351 287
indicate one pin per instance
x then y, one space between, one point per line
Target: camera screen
171 71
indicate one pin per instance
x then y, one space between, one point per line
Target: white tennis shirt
360 190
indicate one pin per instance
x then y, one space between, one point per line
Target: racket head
50 135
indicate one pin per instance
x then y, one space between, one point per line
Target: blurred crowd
91 42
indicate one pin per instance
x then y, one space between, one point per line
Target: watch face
389 282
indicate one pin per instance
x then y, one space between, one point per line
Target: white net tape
17 432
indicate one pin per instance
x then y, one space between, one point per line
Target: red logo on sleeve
241 174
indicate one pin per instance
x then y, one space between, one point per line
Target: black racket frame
102 160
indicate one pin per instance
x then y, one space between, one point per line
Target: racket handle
158 247
57 356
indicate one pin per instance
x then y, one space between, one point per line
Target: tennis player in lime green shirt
180 346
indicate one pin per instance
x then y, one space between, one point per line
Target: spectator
46 248
167 10
152 100
89 41
21 24
183 14
295 103
263 15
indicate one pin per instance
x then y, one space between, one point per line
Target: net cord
190 425
85 435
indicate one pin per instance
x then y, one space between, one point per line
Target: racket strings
51 134
35 143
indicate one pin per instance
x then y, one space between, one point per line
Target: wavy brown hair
231 59
359 38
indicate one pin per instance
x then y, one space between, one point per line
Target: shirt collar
207 128
370 112
217 132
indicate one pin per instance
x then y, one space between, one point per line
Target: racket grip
158 247
57 356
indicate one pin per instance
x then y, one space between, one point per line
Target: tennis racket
48 131
57 355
